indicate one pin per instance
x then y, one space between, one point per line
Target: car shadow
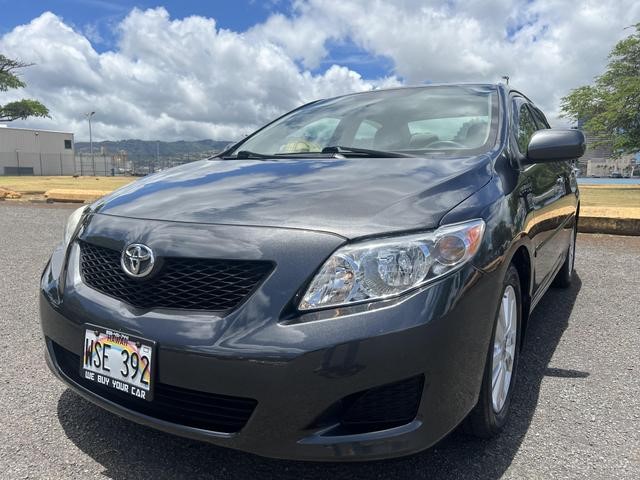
127 450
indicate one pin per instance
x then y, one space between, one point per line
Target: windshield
445 119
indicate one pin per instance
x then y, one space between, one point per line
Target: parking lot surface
576 410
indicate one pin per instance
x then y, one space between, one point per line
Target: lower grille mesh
383 407
192 408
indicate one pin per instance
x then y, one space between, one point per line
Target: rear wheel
565 274
490 414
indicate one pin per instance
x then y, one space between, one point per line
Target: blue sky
234 14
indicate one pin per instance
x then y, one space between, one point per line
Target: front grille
383 407
181 283
192 408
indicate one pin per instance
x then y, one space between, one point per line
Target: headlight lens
72 224
379 269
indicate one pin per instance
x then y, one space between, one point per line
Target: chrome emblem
137 260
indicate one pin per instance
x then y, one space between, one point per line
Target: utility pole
157 153
506 79
93 163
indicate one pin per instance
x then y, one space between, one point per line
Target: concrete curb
614 226
74 196
10 194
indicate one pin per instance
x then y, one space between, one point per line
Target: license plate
118 361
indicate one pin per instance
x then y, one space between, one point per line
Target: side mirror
555 145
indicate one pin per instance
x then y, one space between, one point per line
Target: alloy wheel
504 348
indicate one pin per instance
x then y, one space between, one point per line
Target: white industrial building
25 151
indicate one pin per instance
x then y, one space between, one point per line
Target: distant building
595 153
621 166
599 161
26 151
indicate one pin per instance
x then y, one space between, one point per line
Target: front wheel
490 414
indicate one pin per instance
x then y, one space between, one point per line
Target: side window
366 133
67 144
540 120
526 128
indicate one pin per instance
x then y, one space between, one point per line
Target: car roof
411 87
506 89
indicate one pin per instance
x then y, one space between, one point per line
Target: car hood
350 197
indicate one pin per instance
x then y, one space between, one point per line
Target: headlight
72 224
379 269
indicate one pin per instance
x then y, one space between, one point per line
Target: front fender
508 224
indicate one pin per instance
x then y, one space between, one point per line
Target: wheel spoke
514 314
504 389
509 361
497 350
500 386
497 370
509 342
505 313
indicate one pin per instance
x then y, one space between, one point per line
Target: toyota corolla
351 282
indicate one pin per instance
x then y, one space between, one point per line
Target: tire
565 274
490 414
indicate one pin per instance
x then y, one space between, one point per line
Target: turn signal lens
379 269
72 224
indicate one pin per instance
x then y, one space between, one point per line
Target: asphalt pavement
576 410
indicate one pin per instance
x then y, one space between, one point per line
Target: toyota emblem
137 260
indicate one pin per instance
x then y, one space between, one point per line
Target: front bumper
448 350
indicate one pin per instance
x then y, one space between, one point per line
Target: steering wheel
444 144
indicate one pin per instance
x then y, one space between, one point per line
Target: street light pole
39 152
93 162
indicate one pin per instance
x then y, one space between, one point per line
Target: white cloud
188 78
167 79
547 47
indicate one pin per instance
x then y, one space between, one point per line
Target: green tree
611 106
9 79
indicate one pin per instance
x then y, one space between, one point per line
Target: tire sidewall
572 260
565 274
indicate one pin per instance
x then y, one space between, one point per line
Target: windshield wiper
363 151
332 150
246 154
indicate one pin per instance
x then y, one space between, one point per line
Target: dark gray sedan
350 282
